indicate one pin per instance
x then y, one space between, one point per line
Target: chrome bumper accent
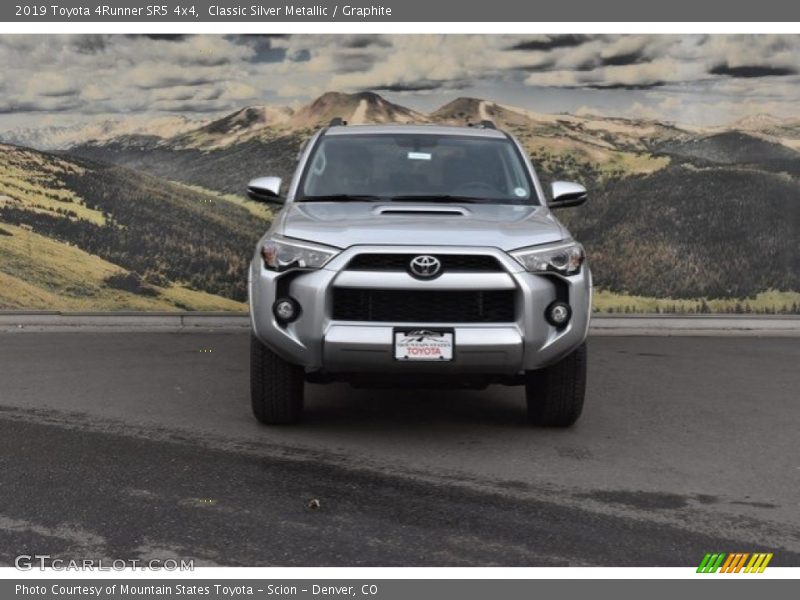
369 347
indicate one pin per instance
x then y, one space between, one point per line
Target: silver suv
418 255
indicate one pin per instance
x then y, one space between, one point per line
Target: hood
344 224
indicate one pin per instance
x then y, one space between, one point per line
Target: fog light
558 313
286 310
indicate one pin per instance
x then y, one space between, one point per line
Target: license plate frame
445 335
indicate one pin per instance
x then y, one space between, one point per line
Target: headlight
565 258
281 253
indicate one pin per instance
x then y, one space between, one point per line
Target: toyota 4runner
418 255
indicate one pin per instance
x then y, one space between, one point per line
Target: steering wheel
481 188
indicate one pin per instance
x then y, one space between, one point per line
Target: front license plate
423 344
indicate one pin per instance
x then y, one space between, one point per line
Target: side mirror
265 189
566 193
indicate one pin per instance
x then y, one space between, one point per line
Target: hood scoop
424 209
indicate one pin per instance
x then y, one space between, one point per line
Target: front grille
400 262
427 306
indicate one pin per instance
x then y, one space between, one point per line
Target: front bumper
319 343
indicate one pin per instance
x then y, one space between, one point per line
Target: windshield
403 166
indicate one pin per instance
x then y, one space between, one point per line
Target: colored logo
736 562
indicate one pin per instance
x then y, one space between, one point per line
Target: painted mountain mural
125 212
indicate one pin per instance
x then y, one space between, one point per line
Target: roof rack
337 122
485 124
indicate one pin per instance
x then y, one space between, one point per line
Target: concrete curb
122 321
602 324
696 325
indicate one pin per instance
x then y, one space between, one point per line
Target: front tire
555 394
276 386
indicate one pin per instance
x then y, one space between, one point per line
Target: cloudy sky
692 79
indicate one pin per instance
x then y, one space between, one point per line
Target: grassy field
165 234
626 163
37 272
257 209
80 235
770 302
33 181
556 153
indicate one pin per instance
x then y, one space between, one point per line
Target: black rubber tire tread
555 394
276 386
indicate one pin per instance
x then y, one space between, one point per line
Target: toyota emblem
425 267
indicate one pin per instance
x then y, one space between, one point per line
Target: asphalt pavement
141 445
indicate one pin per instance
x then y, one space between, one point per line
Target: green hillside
165 240
677 220
731 147
768 303
226 170
719 232
37 272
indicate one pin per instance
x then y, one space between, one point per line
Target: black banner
193 11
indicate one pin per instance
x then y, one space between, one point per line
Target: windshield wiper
439 198
340 198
